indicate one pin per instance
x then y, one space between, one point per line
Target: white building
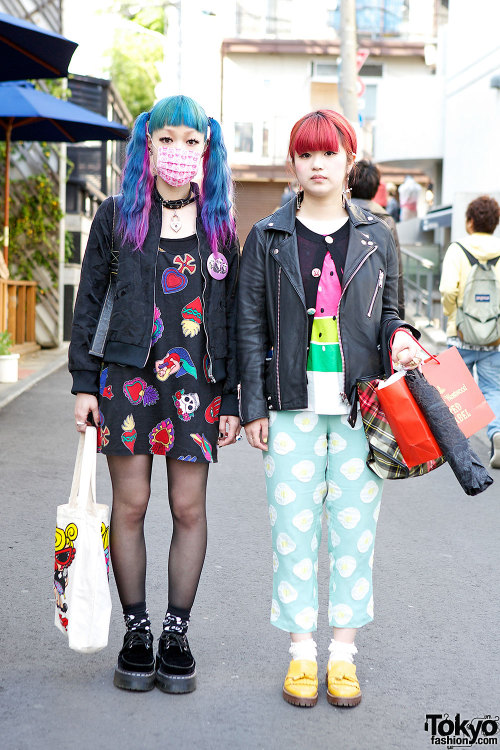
282 62
471 122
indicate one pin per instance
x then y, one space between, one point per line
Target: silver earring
300 198
346 196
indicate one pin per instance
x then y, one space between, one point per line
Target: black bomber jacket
272 315
131 324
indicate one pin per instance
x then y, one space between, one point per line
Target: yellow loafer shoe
342 684
301 683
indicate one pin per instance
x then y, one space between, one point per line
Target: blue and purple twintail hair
137 183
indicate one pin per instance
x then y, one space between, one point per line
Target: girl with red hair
317 310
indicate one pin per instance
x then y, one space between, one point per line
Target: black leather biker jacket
272 314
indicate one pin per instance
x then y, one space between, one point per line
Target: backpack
478 319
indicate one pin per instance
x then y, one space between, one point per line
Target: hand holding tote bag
81 588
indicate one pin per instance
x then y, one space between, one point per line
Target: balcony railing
17 310
421 281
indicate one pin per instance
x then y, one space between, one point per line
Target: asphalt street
432 649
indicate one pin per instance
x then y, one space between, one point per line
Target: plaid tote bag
385 458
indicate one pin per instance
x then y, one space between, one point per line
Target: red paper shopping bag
458 389
415 440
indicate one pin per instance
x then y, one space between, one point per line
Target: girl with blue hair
167 380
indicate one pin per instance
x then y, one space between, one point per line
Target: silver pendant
175 222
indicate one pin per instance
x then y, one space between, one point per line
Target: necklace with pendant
175 221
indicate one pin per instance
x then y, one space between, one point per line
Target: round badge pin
316 272
217 266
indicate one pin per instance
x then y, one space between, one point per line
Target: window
278 17
376 17
370 98
265 139
243 137
322 69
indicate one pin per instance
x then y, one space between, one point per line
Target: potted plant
9 361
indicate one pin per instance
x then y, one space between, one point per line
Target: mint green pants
315 461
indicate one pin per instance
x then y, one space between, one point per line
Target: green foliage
34 228
134 72
54 86
135 54
152 17
5 343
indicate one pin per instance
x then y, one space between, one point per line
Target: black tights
187 481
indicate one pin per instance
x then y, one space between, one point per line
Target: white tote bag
81 587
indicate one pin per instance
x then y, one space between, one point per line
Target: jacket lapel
286 254
285 251
358 249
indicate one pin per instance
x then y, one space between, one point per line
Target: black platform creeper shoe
136 664
175 666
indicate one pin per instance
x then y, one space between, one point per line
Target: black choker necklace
175 221
180 203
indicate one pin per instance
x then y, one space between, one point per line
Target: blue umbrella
30 115
28 51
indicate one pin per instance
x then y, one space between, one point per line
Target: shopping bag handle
83 486
416 341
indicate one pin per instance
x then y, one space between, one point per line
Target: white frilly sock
305 649
340 651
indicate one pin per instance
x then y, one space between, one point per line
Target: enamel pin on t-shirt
217 266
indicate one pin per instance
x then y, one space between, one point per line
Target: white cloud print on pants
307 618
285 544
303 471
283 443
346 566
286 592
303 520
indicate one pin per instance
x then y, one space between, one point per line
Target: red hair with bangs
321 131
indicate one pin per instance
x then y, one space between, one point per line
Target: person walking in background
318 294
393 208
481 220
409 192
168 383
364 182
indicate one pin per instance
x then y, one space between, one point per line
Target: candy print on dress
172 281
205 446
186 404
102 379
161 438
104 436
177 360
212 410
137 391
192 316
129 434
106 391
157 327
191 459
186 263
205 368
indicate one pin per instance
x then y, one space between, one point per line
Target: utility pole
348 72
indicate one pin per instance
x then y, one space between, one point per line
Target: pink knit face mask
176 166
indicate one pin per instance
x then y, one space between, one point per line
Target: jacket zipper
377 289
307 338
154 307
209 368
278 342
343 394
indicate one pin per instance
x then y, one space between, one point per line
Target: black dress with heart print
169 407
